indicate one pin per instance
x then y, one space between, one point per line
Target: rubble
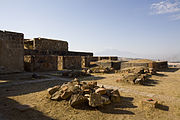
136 75
78 93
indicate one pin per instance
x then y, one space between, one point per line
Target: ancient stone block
95 100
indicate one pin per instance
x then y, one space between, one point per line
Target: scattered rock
101 91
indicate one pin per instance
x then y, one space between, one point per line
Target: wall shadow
12 110
161 75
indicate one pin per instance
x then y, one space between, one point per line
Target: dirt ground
164 86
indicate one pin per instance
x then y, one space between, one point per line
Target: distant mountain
115 52
174 58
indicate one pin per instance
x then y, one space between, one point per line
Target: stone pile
136 75
99 69
78 93
137 70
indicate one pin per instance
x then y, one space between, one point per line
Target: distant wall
11 52
97 58
126 65
161 65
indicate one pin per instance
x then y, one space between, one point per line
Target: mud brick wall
11 52
40 63
69 62
50 45
126 65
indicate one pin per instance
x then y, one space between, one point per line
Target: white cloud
168 6
175 17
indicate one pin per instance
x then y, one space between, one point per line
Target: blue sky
145 28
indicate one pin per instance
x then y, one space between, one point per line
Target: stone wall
58 53
11 52
53 63
126 65
40 63
85 61
70 62
160 65
44 44
97 58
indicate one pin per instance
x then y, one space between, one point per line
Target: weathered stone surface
11 52
56 95
66 94
101 91
53 89
92 83
95 100
105 99
77 99
115 96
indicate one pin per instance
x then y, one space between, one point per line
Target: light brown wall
51 45
11 51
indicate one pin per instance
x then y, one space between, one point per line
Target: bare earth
163 87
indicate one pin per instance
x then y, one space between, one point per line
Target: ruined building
39 54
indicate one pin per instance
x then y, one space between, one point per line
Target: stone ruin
38 54
136 75
78 93
42 54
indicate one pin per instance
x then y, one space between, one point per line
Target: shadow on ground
120 107
113 108
92 77
170 70
161 75
150 82
12 110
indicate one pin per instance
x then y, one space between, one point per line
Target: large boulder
105 99
95 100
77 99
